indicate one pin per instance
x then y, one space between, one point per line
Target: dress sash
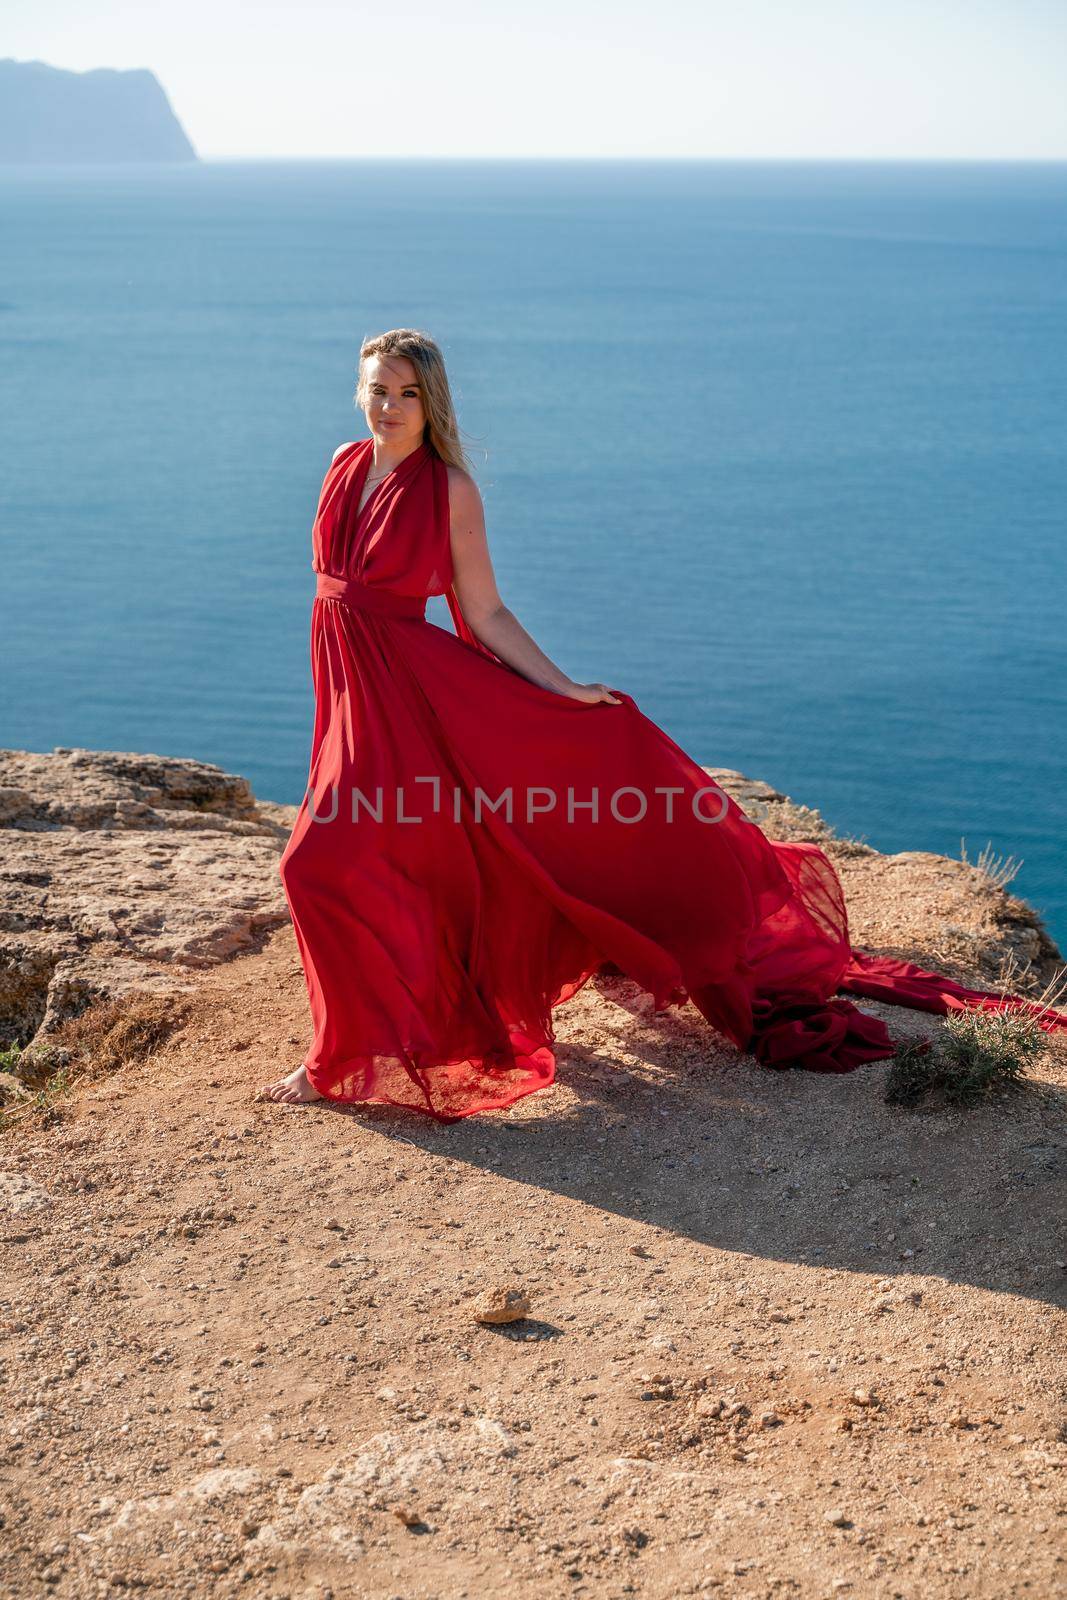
369 597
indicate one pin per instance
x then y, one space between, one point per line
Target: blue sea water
778 448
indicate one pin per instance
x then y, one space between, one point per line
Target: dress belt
369 597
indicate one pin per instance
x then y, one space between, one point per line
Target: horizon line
1049 160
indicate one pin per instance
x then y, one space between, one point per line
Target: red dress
472 847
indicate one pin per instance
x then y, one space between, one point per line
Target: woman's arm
488 618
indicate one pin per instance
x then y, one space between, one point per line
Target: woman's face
393 404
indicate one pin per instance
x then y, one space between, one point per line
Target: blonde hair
442 430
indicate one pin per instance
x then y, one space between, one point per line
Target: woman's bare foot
293 1090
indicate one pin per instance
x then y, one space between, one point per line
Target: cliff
50 115
783 1338
127 874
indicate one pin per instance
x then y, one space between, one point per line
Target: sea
778 448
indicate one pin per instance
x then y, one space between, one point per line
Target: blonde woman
480 833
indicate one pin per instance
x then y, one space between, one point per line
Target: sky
870 79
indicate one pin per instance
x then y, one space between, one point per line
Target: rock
836 1518
20 1194
106 114
505 1304
123 874
633 1538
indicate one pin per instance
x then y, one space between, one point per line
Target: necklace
369 484
369 480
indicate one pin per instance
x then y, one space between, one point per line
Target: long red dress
472 847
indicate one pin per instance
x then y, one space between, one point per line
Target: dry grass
110 1036
1000 870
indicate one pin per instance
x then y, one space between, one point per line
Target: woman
480 834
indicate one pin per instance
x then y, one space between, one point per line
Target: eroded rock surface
125 872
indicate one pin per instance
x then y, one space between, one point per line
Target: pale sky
950 79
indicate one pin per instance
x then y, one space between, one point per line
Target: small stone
770 1419
864 1397
404 1514
333 1225
505 1304
633 1538
836 1518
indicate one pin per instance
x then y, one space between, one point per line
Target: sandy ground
783 1339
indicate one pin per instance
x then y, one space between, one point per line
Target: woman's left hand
592 694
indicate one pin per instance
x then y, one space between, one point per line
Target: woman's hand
592 694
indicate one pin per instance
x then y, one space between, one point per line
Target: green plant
913 1071
9 1057
978 1054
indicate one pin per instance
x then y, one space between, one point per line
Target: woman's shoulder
341 448
465 509
461 485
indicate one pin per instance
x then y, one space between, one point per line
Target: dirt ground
783 1339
